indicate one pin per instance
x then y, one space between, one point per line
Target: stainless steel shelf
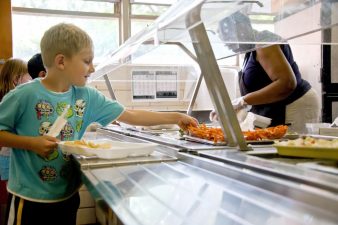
281 170
94 162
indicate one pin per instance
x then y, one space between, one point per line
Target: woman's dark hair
236 29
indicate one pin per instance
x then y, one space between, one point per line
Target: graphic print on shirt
44 127
67 132
52 155
66 156
43 108
60 106
47 174
79 108
78 125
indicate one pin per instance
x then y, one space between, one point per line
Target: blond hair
66 39
11 71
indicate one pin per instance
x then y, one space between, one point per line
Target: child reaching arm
45 145
148 118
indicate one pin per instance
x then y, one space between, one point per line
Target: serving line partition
187 21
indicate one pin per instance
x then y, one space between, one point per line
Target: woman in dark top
270 80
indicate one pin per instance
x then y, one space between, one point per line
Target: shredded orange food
276 132
216 134
208 133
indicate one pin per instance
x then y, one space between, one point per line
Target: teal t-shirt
30 110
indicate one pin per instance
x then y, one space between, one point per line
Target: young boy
44 182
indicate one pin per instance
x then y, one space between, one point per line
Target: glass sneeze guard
200 23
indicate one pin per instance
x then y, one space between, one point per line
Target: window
144 12
67 5
167 2
138 25
32 18
149 10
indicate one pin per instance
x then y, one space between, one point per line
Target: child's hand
185 121
44 145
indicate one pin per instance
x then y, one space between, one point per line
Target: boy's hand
185 121
44 145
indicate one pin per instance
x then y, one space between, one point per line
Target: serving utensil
59 123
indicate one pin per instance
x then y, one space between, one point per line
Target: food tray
116 150
308 152
202 141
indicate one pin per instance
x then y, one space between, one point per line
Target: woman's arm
280 72
149 118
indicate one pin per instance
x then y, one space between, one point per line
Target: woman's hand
43 145
213 116
238 103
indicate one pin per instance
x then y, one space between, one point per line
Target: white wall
306 50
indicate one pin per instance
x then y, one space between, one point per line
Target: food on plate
310 142
270 133
88 144
216 134
209 133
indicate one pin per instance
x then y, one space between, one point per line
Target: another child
13 73
35 66
44 181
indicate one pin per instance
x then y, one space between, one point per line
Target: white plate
116 150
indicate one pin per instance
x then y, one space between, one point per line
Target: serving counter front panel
179 193
224 186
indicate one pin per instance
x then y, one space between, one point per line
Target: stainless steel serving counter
225 186
181 193
262 158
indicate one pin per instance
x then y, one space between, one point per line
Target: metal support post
110 88
214 81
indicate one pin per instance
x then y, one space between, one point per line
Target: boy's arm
42 145
149 118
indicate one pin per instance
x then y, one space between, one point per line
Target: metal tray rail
94 162
180 144
281 170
